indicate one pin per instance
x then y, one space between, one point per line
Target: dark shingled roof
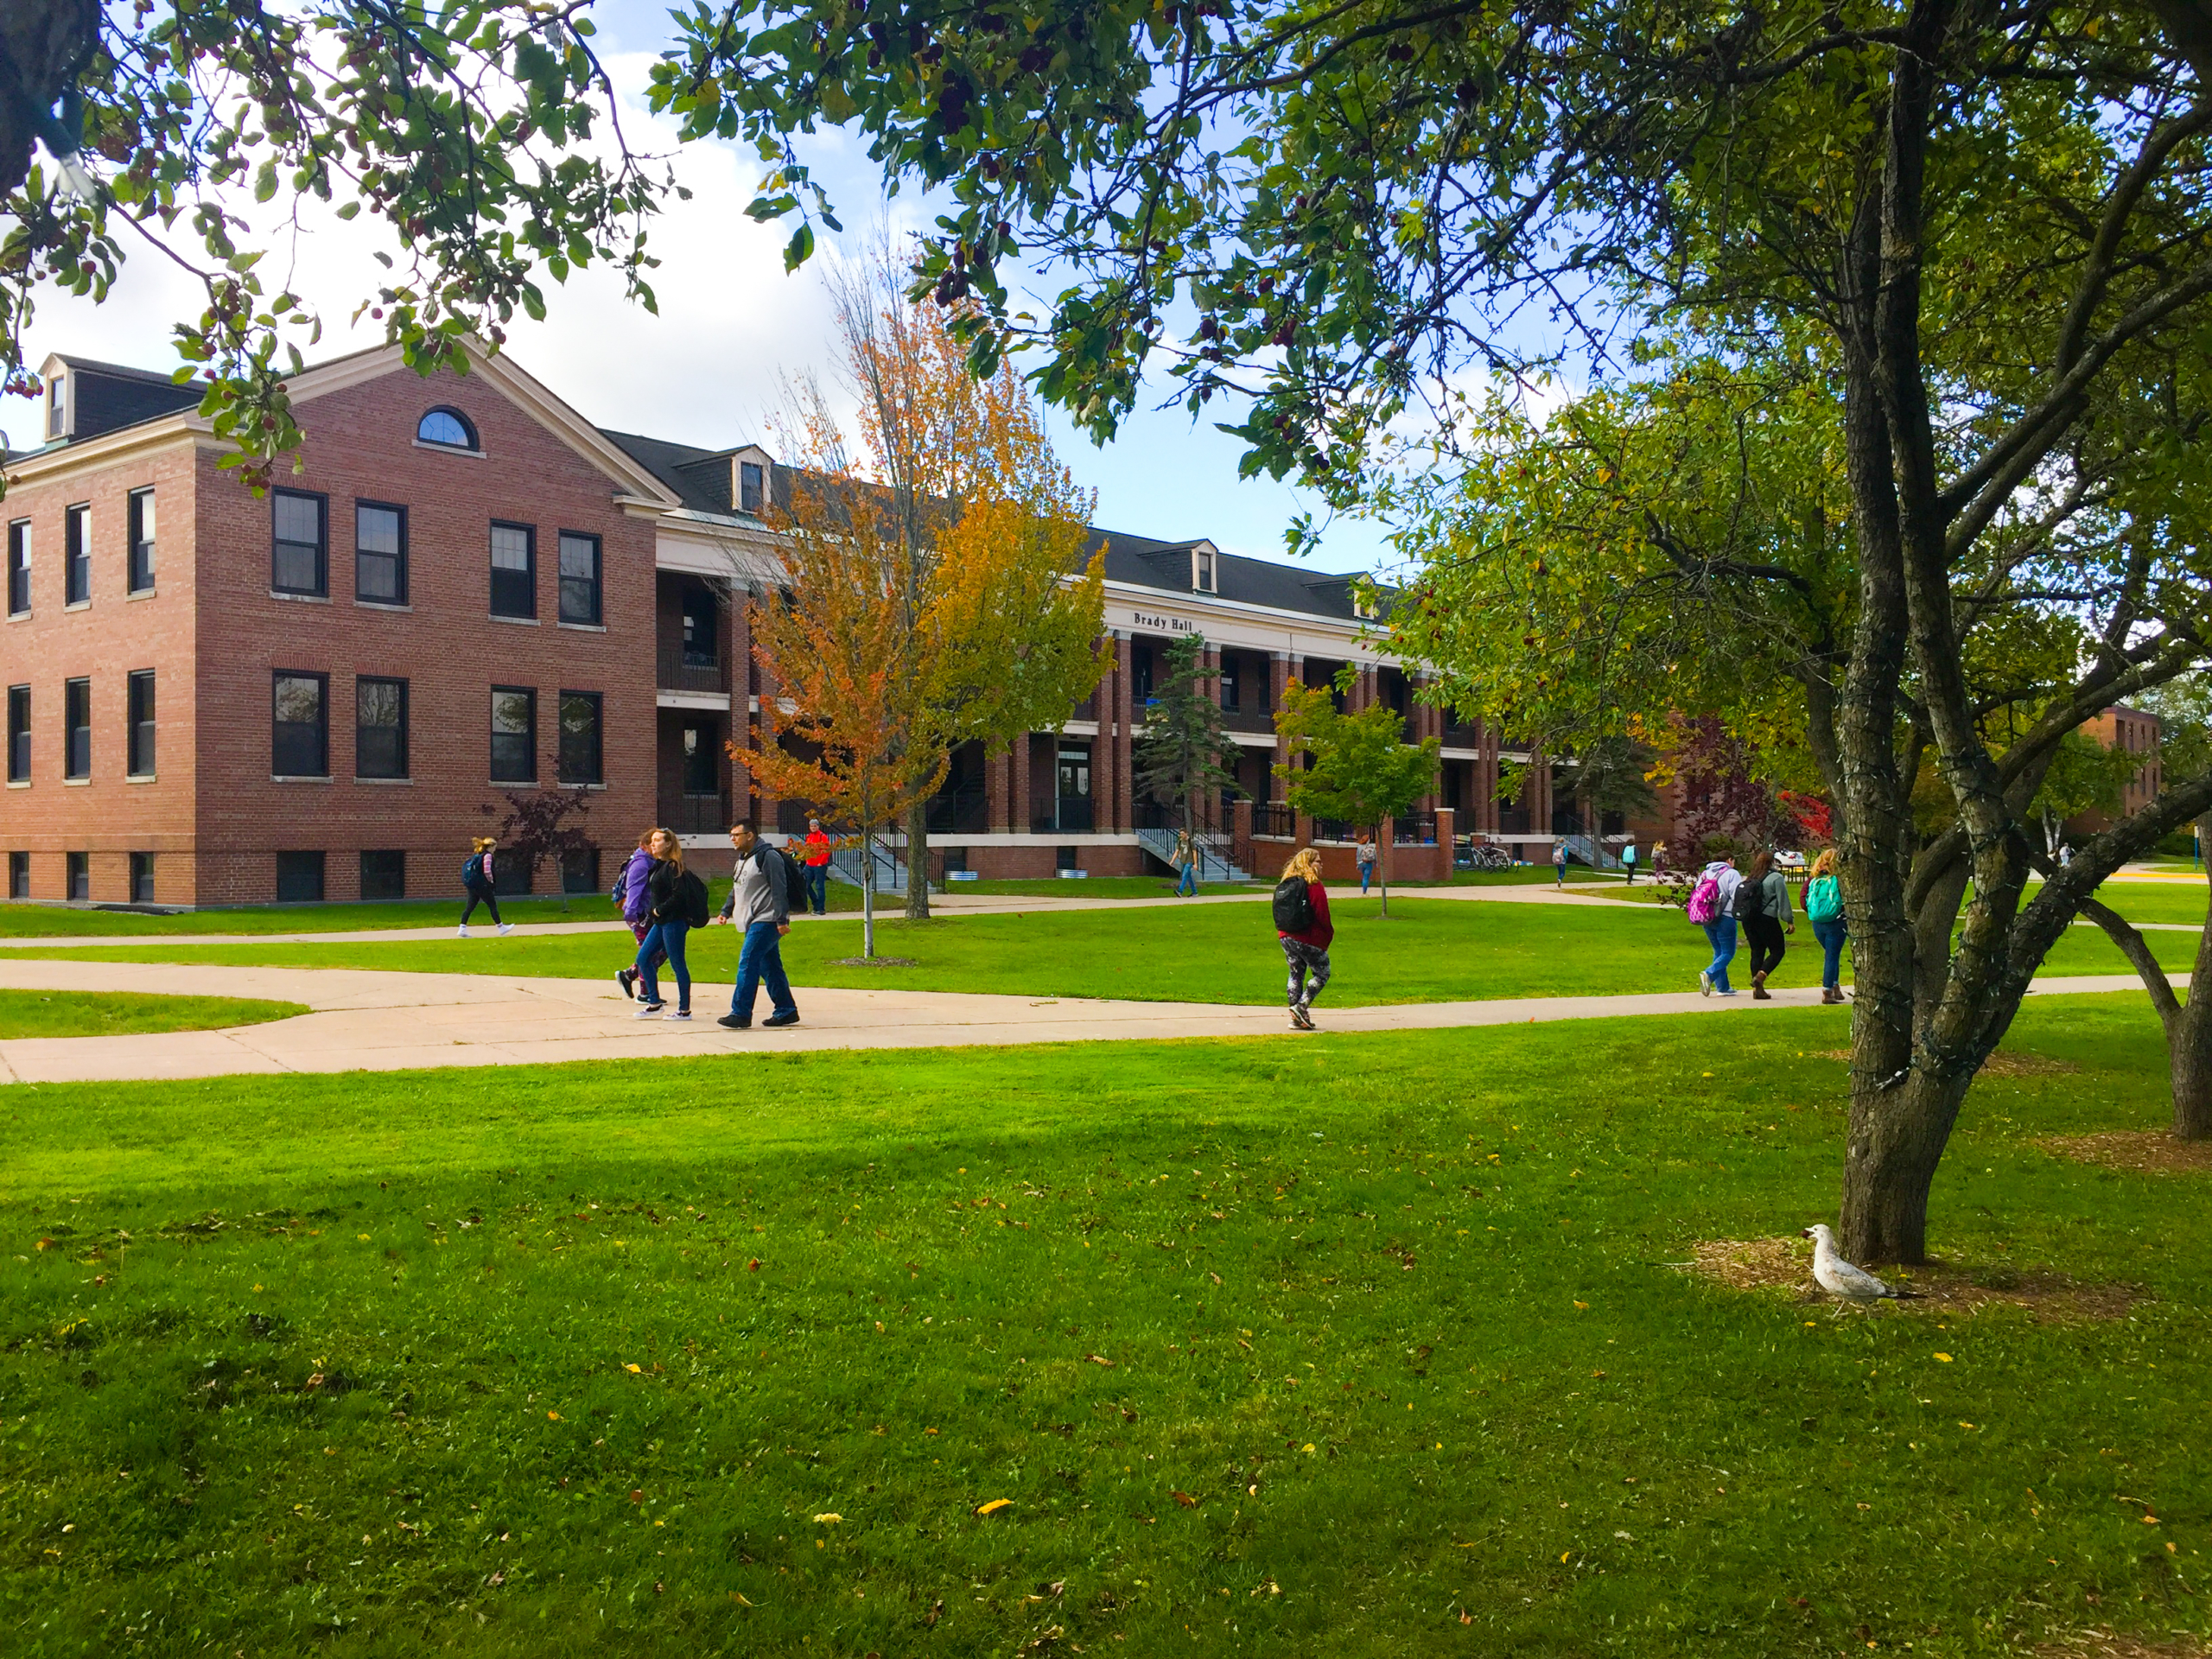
109 396
1140 562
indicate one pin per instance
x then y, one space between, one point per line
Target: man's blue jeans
817 888
761 958
1722 933
1187 885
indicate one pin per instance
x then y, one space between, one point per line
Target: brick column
1485 801
1447 832
1282 669
1240 833
1540 793
997 811
1123 804
1364 690
1017 783
736 647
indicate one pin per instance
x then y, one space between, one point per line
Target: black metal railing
1513 821
1413 829
1074 814
791 817
683 670
1459 735
1274 818
959 811
696 815
1334 829
1247 719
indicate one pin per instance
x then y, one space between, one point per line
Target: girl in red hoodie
1307 950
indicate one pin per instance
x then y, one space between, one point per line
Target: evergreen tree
1178 751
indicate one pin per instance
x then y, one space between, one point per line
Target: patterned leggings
1305 959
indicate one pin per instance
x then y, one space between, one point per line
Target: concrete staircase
1214 862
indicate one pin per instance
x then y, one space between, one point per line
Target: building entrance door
1075 787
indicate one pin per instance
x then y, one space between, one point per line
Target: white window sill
300 599
515 621
583 627
77 605
19 782
587 788
516 783
19 616
143 592
448 449
290 777
142 778
384 782
76 783
381 605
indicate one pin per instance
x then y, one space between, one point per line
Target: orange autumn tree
936 590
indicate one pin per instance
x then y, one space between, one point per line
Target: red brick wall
360 444
107 819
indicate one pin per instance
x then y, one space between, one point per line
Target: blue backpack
472 873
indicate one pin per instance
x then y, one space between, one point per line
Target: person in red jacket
1307 949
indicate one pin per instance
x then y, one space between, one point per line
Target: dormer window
57 407
447 429
1363 601
752 487
1202 571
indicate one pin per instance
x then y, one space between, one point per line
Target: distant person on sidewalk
1712 906
676 904
476 881
1185 861
1824 909
1301 918
759 903
1762 906
1628 860
1559 862
630 894
817 867
1364 856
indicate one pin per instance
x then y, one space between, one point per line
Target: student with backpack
1364 856
1559 862
476 881
631 899
1302 925
1824 909
768 886
1628 860
677 903
1712 907
1762 906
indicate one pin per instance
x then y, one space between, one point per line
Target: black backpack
691 895
1294 905
472 872
794 900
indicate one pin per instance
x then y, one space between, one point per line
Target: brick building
470 590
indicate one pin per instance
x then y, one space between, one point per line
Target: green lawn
60 921
1093 886
112 1013
1427 951
1361 1346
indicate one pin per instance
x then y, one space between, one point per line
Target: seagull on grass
1846 1282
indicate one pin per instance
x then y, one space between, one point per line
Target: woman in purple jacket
630 892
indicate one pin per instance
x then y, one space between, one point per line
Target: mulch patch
2152 1150
2106 1644
1787 1264
874 961
1997 1065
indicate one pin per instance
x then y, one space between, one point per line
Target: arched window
447 428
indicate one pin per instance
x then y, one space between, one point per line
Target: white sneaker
650 1011
677 1014
506 928
464 930
1704 981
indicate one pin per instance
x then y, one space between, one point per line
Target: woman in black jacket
1763 905
666 923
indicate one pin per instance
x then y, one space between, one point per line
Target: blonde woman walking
1302 925
1824 909
477 881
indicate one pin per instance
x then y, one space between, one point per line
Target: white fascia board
1239 625
170 431
1253 740
731 550
710 702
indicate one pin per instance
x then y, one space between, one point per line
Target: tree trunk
917 861
867 892
2189 1033
1382 868
1895 1140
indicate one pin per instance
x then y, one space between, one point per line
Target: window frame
399 889
1206 577
529 572
57 408
142 875
77 554
399 559
322 588
79 687
529 734
322 868
144 531
276 677
142 723
361 683
562 768
19 875
474 447
563 579
76 873
19 565
19 734
752 487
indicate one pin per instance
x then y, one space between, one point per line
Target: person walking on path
1364 856
759 903
1559 862
1185 861
1824 909
676 903
1763 905
817 868
1712 906
476 881
1302 925
630 894
1628 860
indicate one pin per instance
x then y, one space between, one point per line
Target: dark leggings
481 896
1767 944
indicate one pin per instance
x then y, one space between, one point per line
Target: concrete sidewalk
387 1022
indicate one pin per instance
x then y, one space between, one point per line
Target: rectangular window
77 555
299 725
750 478
379 553
579 578
580 870
300 563
701 631
580 747
79 872
514 736
19 734
77 728
19 875
19 568
380 728
57 407
141 541
141 878
1232 681
141 734
702 754
514 571
1202 569
299 878
383 874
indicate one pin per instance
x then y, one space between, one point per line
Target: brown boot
1758 988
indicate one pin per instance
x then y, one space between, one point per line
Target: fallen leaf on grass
738 1596
1186 1500
634 1370
1100 1359
829 1519
994 1506
754 1266
1946 1358
553 1416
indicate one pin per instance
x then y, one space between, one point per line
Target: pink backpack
1705 900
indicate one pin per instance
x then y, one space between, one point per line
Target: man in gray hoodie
758 902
